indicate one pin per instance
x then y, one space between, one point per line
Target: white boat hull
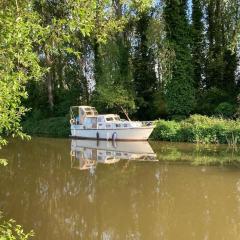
121 134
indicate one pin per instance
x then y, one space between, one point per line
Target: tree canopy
165 59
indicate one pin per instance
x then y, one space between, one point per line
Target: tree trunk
50 82
50 90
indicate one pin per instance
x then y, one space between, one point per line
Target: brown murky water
67 190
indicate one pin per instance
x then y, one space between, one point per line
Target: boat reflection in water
86 154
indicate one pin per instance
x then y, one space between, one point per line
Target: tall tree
145 80
112 67
180 93
20 31
198 48
221 60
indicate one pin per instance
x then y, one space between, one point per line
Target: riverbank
49 127
198 129
195 129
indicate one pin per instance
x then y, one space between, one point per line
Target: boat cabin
89 118
79 114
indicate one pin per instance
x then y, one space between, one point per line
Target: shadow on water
120 191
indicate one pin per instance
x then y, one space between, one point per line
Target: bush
225 109
166 130
198 129
52 127
10 230
210 99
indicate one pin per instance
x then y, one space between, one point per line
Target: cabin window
125 125
94 120
87 121
100 119
82 112
117 118
108 125
89 113
118 125
109 119
90 121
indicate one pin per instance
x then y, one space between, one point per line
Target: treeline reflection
123 200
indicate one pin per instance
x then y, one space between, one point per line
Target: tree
112 59
145 81
222 18
180 91
198 47
20 30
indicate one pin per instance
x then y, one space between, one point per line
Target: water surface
65 189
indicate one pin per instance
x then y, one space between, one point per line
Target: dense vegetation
157 59
199 129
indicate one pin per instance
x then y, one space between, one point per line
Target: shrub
237 114
225 109
166 130
52 127
198 129
210 99
9 230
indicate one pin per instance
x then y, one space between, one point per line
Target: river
67 189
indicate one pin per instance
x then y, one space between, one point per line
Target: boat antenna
126 114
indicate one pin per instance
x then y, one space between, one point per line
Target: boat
86 154
86 123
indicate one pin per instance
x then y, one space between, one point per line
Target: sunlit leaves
19 31
10 230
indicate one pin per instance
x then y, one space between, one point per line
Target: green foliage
180 92
166 130
51 127
198 129
144 75
221 62
19 31
225 109
198 47
113 88
10 230
209 99
147 56
112 97
3 162
237 114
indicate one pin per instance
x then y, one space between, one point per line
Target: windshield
109 119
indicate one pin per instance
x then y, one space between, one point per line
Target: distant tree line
168 58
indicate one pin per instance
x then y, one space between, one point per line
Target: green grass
198 129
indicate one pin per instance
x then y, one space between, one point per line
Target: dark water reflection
44 189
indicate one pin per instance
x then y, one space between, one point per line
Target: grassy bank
198 129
